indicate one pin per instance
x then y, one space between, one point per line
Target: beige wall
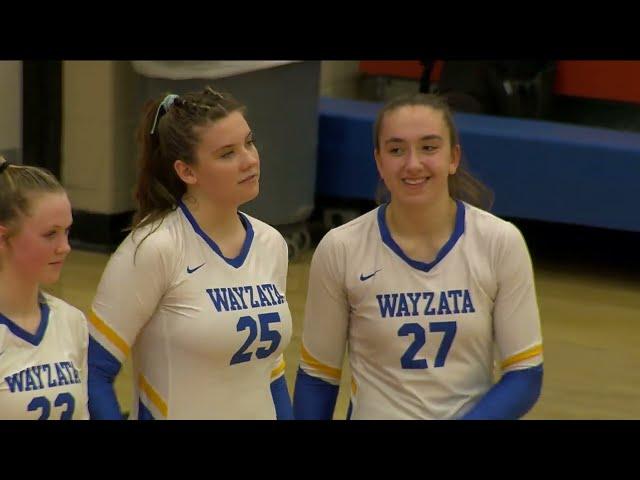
10 106
98 151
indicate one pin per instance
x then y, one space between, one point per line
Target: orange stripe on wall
607 80
617 80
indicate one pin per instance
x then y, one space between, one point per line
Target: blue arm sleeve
511 397
313 398
281 399
103 368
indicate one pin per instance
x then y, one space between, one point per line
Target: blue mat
538 170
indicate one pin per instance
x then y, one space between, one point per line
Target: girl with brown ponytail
196 292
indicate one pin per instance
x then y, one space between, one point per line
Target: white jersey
43 376
206 332
421 336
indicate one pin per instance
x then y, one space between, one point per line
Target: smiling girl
423 290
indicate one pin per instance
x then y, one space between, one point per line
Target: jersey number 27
408 360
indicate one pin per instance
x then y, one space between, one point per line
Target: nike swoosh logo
363 278
191 270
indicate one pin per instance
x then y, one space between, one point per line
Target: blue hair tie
164 107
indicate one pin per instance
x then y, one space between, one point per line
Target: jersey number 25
266 335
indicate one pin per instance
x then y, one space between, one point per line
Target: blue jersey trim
18 331
281 399
388 240
143 412
103 369
511 398
313 398
234 262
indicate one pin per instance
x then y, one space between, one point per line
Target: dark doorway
42 114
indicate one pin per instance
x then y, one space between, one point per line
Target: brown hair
462 185
173 121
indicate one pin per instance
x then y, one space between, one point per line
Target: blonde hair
18 183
